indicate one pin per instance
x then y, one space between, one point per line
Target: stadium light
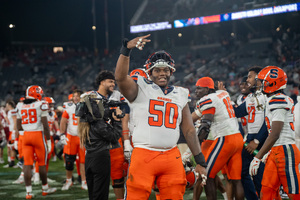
11 26
94 27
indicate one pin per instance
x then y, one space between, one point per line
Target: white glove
49 145
254 165
58 132
186 156
64 140
265 158
127 149
16 145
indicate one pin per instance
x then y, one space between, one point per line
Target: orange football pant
73 148
282 168
225 151
164 167
116 162
34 142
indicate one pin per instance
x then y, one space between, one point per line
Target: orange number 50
168 116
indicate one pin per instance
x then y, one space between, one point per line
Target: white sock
8 159
69 180
22 174
45 187
29 189
225 196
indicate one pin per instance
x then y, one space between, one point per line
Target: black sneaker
79 179
12 163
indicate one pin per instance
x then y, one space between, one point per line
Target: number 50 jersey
156 115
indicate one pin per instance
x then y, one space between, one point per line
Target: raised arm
126 85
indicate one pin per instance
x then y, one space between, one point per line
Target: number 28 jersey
157 115
219 104
31 115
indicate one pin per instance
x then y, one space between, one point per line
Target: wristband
125 132
200 160
124 50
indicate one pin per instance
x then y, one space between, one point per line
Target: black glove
204 129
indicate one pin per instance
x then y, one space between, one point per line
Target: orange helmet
206 82
191 178
273 78
34 92
70 97
49 100
139 72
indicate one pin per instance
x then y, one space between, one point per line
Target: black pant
97 171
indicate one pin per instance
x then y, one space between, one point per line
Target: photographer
100 129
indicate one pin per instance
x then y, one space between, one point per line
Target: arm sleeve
262 133
241 110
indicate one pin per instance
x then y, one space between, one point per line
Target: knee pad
118 183
70 159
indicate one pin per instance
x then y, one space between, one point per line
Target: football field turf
56 172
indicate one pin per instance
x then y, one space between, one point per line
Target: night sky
62 21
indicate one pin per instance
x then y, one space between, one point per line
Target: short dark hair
80 92
255 69
11 103
103 75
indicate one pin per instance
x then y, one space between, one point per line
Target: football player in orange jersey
69 125
32 118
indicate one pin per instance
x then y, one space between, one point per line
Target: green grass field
56 172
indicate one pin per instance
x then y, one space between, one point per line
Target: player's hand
186 156
117 112
221 86
138 42
251 147
64 140
16 145
265 157
49 145
201 171
127 149
254 165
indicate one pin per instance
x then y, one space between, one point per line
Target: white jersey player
284 158
159 110
218 119
170 102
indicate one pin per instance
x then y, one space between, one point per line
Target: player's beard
109 90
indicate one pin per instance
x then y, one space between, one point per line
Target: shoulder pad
278 102
147 81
